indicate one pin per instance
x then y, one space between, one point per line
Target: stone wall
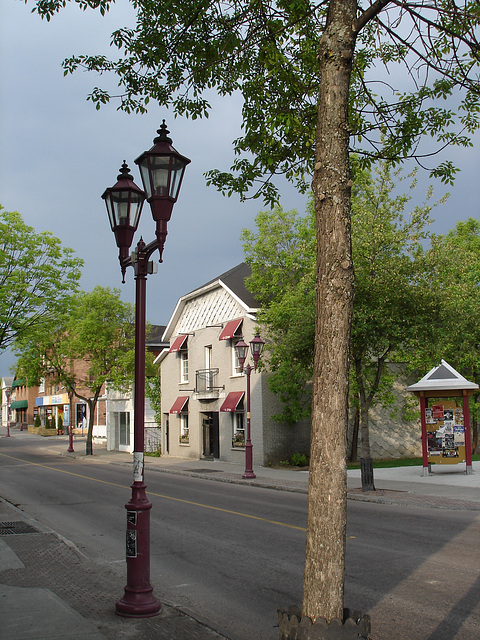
392 436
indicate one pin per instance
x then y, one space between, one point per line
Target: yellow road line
160 495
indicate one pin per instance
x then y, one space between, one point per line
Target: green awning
19 404
18 383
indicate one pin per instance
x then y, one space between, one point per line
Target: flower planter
42 431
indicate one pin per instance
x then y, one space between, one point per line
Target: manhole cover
17 527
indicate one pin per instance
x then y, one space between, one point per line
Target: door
167 433
211 436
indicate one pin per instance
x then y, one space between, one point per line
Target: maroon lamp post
256 346
162 169
7 393
70 421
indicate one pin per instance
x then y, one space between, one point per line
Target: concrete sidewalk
49 590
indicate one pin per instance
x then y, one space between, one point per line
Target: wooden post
423 421
468 440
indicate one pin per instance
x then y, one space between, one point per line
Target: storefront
51 409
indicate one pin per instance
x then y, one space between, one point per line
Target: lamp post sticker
132 517
131 543
138 466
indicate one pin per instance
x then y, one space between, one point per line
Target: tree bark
325 545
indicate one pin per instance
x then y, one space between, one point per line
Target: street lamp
70 420
162 169
8 393
241 348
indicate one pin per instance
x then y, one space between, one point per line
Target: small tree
153 391
95 329
36 274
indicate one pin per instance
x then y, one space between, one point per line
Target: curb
390 497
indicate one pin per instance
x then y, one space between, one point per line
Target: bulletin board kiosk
445 417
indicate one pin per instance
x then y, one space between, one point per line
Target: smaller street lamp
70 421
8 393
241 348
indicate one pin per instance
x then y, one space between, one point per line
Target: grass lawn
397 462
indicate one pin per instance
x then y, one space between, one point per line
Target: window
236 364
121 420
208 357
184 432
238 439
184 365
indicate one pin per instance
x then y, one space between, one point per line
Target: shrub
155 454
298 460
37 422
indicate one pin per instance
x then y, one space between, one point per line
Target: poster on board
445 433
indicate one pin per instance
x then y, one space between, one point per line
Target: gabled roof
232 282
443 378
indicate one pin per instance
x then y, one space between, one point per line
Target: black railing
153 438
206 380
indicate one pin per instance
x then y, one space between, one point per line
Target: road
233 554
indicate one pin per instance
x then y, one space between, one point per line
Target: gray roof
154 336
442 378
234 279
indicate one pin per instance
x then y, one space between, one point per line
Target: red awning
178 343
230 328
179 404
232 401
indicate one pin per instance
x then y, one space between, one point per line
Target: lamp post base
138 604
138 600
249 474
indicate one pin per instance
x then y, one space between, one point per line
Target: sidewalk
49 590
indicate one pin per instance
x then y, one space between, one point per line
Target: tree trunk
91 417
325 545
366 463
354 445
364 430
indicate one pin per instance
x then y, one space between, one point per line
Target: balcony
206 387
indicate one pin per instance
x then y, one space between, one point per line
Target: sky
58 154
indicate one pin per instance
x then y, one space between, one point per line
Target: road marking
161 495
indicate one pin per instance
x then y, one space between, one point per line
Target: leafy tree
453 286
153 385
89 345
308 74
281 254
390 302
36 274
